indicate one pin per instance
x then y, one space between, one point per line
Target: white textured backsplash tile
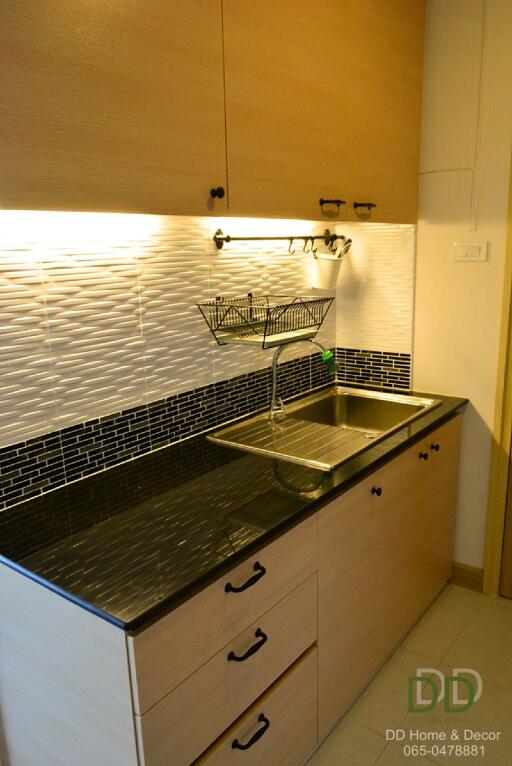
375 292
27 398
96 343
98 312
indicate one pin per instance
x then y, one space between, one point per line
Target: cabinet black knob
423 456
217 191
377 491
435 447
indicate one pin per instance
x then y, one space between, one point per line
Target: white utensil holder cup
325 270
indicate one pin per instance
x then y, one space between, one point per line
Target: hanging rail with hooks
327 237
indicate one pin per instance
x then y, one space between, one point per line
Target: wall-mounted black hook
219 239
292 252
367 205
306 240
337 202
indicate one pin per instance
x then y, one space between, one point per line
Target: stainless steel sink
358 411
325 429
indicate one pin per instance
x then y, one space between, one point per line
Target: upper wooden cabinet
139 107
323 100
112 106
284 68
382 93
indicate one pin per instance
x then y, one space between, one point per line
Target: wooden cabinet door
436 501
364 545
383 73
112 106
323 101
284 106
382 560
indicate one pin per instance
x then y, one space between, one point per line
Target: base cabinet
250 674
385 551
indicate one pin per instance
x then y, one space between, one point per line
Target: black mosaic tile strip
30 468
376 369
97 444
34 467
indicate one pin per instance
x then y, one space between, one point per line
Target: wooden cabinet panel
382 559
323 99
363 546
221 690
286 716
170 650
112 106
383 74
436 500
284 65
64 682
121 107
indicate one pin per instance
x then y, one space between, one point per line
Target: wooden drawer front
287 718
169 651
220 691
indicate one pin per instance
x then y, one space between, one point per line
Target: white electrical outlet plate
470 251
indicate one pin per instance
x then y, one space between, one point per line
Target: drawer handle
423 456
435 447
236 745
377 491
260 571
232 657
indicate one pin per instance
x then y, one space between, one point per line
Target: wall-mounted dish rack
264 320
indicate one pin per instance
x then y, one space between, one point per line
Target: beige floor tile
500 601
393 755
384 704
440 626
493 712
349 743
485 644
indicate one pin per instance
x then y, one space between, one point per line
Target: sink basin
325 429
359 411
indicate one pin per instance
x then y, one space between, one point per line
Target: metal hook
292 252
306 240
313 249
332 242
346 247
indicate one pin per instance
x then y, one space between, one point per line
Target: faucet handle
277 408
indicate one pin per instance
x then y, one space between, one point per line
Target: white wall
375 291
466 149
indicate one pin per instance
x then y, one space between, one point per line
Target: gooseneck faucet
276 403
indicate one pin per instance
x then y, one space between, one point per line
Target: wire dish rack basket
264 320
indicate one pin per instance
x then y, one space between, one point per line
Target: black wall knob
377 491
217 191
435 447
423 456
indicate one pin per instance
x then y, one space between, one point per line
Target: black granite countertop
138 539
